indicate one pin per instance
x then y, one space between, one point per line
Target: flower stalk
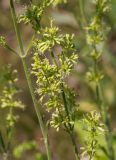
95 38
22 55
70 128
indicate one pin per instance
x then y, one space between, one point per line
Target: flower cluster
49 38
93 126
7 99
96 29
96 34
33 13
10 104
2 41
51 70
56 2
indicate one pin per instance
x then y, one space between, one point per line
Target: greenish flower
51 73
93 126
7 99
2 41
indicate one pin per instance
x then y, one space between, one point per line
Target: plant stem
109 139
83 17
39 116
71 130
104 114
11 49
77 156
22 53
29 81
106 120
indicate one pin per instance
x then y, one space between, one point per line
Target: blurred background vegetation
68 19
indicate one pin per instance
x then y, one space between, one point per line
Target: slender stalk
81 6
11 49
43 129
109 139
22 53
71 131
108 133
99 100
77 156
104 114
29 81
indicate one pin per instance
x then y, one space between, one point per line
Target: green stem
109 138
77 156
11 49
108 134
38 113
104 114
22 53
83 17
71 130
30 44
29 81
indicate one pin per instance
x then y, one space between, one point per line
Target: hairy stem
29 81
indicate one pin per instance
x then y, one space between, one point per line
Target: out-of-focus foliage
2 41
9 104
7 100
92 124
21 149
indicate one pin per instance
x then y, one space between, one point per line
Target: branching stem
29 81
